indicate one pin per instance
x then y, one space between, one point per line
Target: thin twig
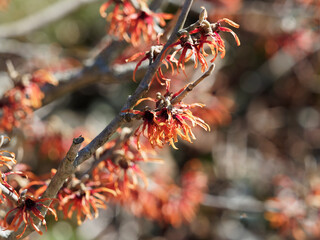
37 20
190 86
65 169
8 193
234 204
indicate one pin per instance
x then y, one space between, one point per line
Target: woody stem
192 85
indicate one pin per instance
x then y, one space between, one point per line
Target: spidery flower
80 196
166 202
166 122
134 23
38 185
6 157
151 55
120 170
27 207
19 102
145 24
122 8
193 39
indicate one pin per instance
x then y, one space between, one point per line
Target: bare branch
141 90
94 71
241 204
27 50
9 194
145 82
75 158
42 18
192 85
65 169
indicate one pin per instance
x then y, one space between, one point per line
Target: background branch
241 204
94 70
42 18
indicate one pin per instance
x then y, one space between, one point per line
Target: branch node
74 148
78 140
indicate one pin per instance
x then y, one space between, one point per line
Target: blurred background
261 157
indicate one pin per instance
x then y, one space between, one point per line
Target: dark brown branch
124 136
42 18
192 85
65 169
141 90
77 79
94 71
69 164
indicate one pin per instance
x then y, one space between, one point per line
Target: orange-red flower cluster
192 41
76 196
25 205
294 211
22 213
120 170
167 122
79 196
166 202
191 44
160 200
6 159
117 177
139 21
151 56
20 101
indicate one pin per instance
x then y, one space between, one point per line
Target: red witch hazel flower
22 213
38 185
193 39
145 23
121 9
139 21
166 202
151 56
80 196
121 170
26 95
168 120
120 6
6 157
